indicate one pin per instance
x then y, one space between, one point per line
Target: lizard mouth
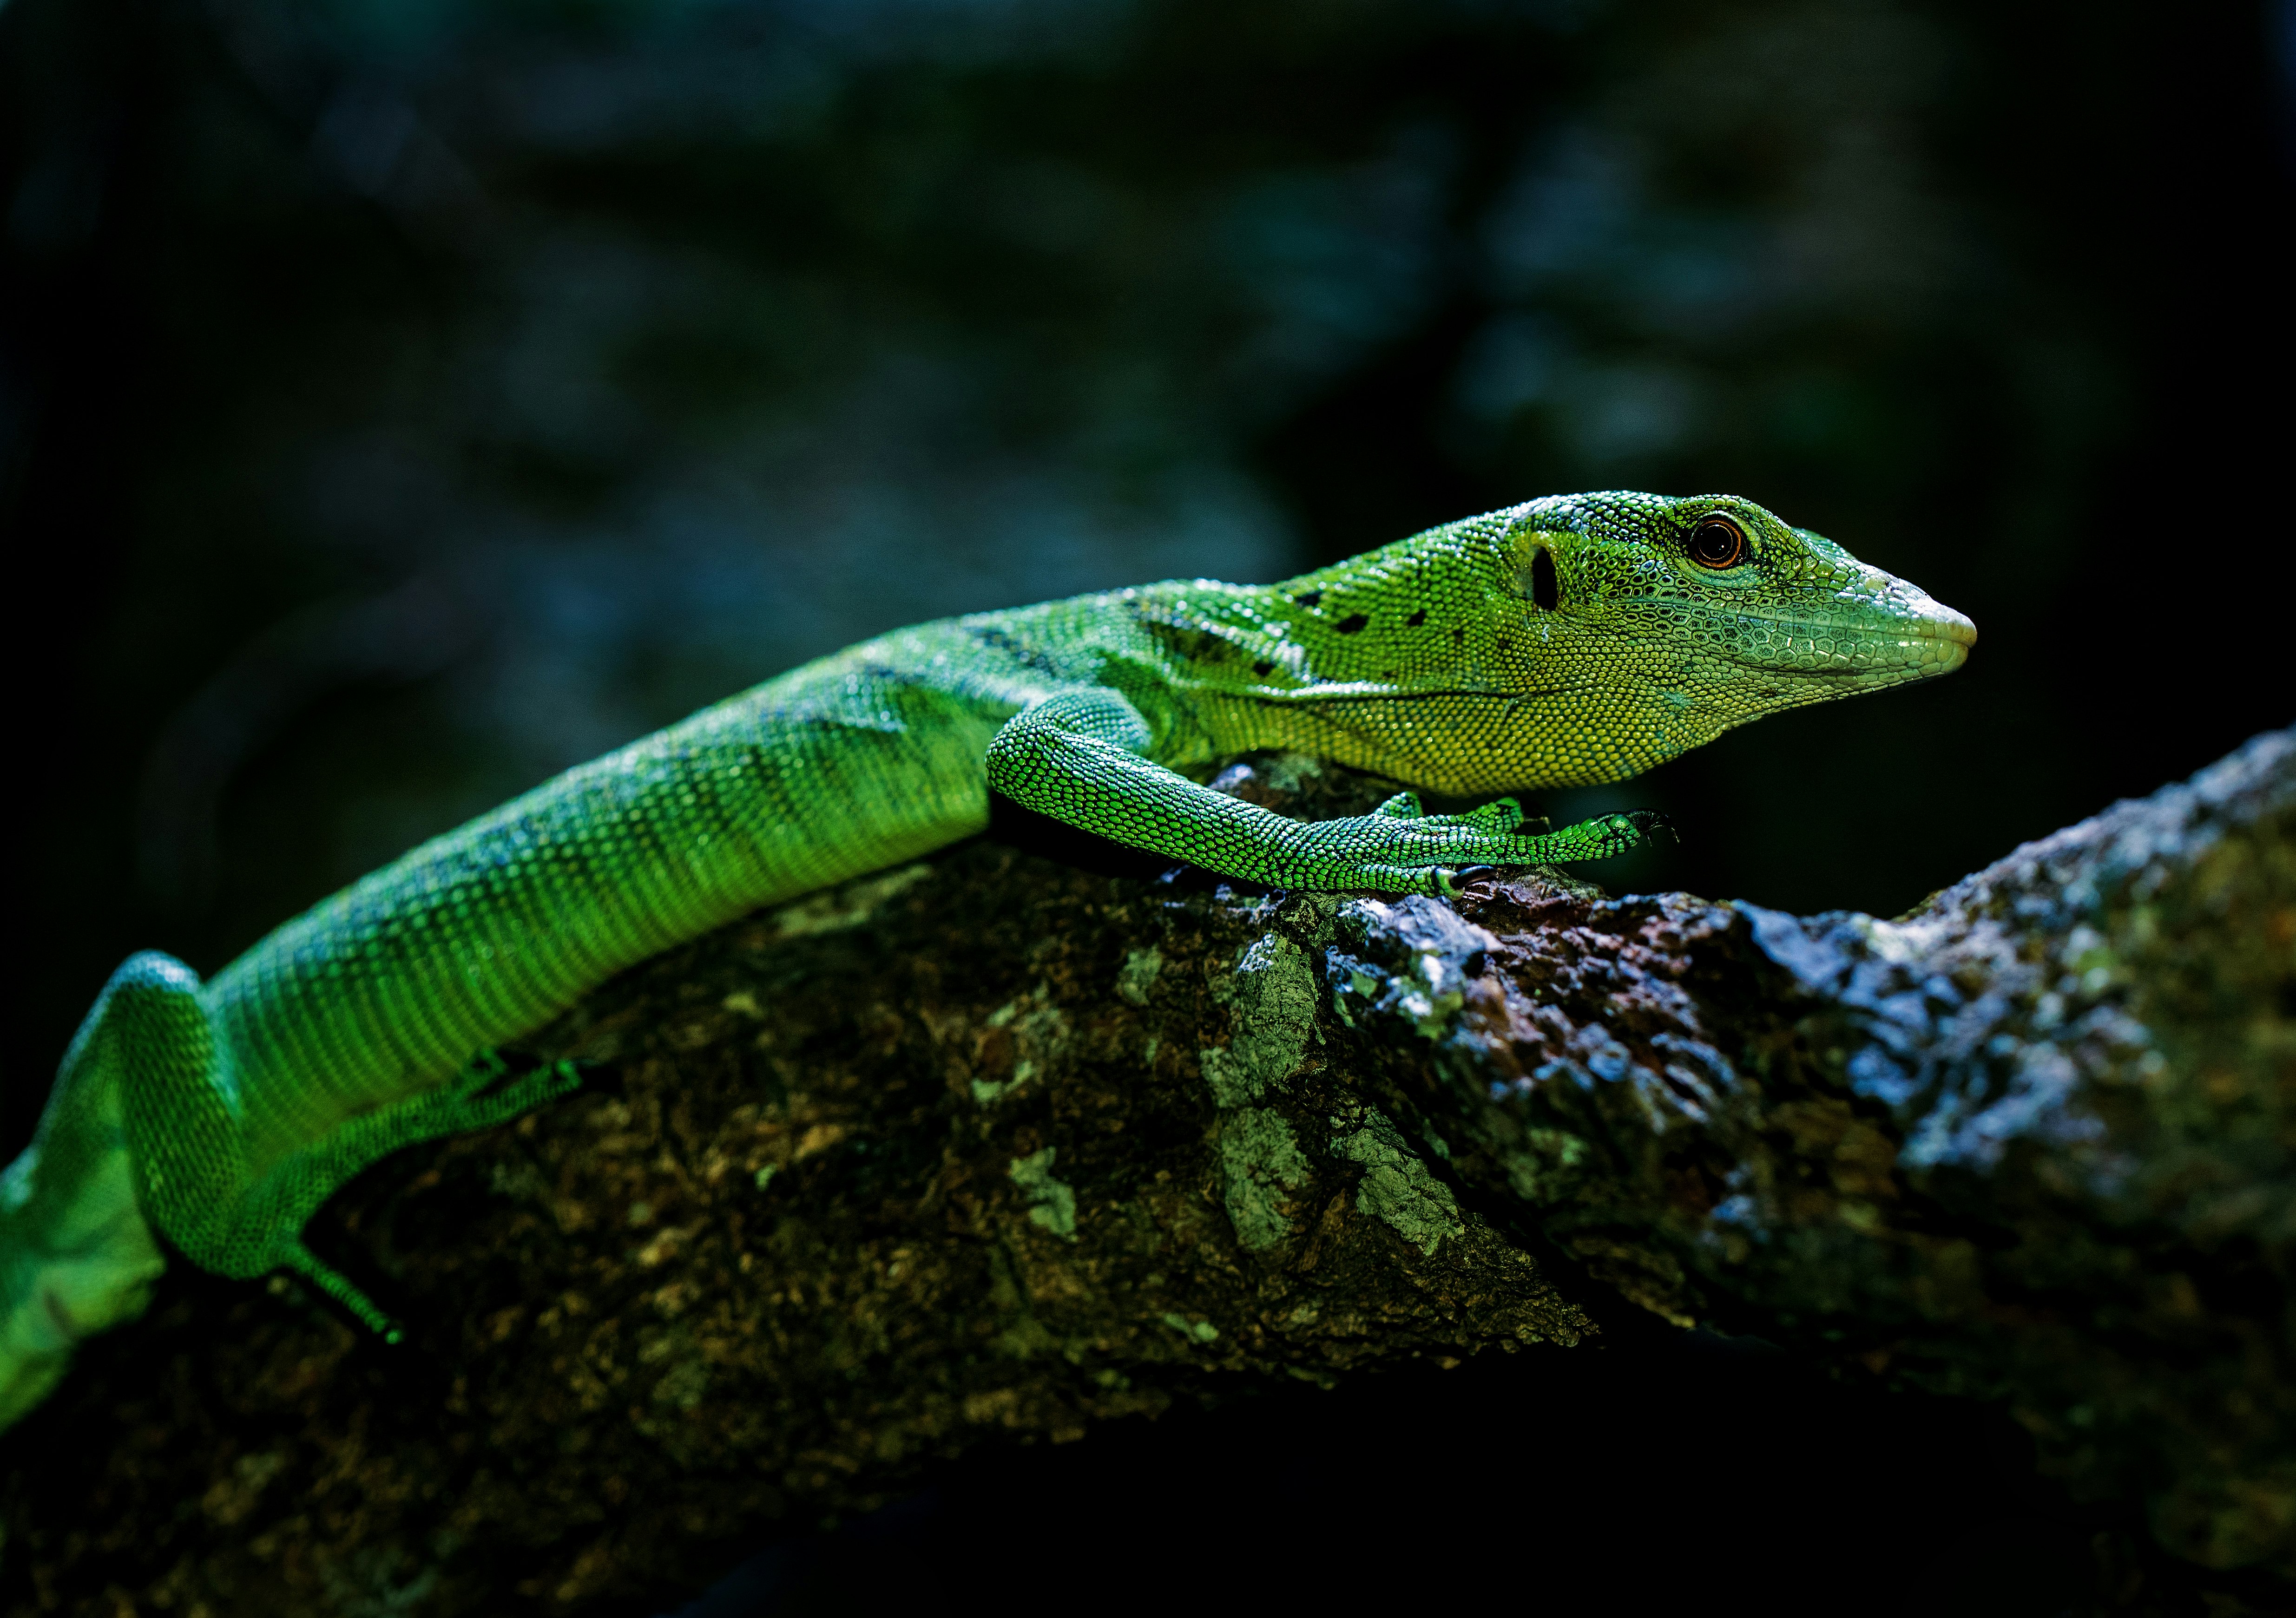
1924 634
1822 650
1949 626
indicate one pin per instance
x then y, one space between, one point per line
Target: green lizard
1568 640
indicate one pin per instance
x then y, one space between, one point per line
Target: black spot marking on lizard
1199 646
1349 625
1028 657
1458 635
1263 668
1501 642
1546 588
1416 618
1311 599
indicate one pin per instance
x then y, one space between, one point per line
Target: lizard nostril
1546 588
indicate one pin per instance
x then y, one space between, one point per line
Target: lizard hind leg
179 1109
484 1092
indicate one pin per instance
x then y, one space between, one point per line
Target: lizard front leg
1079 756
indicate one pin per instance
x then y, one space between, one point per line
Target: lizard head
1694 615
1584 638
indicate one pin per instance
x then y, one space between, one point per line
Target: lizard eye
1716 542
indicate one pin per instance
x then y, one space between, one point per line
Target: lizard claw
1448 880
1649 821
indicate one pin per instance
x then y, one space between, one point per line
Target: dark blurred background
401 400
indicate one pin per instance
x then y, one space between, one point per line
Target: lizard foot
293 1255
1433 854
274 1211
1448 882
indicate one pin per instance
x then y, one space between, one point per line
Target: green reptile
1568 640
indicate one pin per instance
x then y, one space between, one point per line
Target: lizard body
1566 641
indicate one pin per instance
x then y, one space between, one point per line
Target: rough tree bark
997 1144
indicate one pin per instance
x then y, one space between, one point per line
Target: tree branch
998 1145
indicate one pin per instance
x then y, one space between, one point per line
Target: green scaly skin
1562 642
